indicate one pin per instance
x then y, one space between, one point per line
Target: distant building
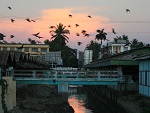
80 57
88 55
118 46
32 49
114 48
37 50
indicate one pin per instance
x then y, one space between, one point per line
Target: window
43 49
34 49
4 48
12 49
26 49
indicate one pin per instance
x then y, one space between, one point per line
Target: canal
78 99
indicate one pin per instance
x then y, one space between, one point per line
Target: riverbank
107 100
41 99
134 102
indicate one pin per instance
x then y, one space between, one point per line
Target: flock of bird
84 32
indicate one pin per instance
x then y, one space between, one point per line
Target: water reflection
78 100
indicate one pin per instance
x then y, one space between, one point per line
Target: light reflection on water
78 101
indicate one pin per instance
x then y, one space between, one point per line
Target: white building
118 46
88 55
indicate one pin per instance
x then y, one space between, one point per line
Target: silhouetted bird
127 44
83 31
70 15
21 47
9 7
87 35
27 19
77 25
89 16
2 36
12 36
69 25
79 43
39 37
36 34
77 34
113 31
32 20
52 27
12 20
127 10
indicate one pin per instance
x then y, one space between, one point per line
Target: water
78 100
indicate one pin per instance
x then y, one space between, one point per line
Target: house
32 49
123 63
144 74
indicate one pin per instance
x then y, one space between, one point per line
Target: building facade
118 46
33 49
144 75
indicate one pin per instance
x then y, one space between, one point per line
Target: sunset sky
105 14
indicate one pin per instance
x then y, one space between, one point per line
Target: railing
68 75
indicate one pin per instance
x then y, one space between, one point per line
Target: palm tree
59 34
101 35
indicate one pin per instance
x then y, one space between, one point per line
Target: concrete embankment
41 99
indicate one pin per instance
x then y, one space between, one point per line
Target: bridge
63 78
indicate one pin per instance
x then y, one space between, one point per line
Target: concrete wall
10 97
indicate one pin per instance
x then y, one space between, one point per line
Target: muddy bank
41 99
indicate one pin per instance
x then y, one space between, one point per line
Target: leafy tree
59 34
32 41
123 37
93 45
136 44
101 35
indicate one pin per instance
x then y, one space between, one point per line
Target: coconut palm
101 35
59 34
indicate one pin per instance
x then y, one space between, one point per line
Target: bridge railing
69 75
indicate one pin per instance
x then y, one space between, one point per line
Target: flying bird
113 31
87 35
69 25
36 34
89 16
70 16
33 20
9 7
127 10
39 37
2 36
52 27
77 34
27 19
79 43
83 31
12 20
12 36
77 25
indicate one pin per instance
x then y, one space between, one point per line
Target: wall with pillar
10 96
